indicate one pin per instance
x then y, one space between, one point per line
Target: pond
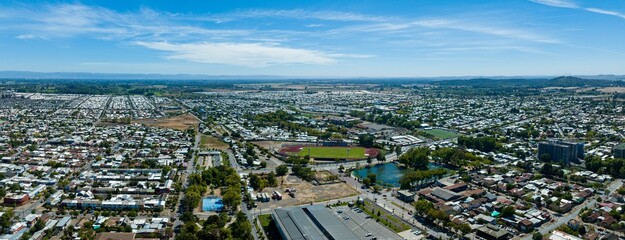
388 173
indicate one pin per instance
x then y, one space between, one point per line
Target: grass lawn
265 219
442 134
333 152
380 215
269 226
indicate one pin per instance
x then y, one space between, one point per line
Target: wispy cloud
70 20
242 54
191 42
503 32
557 3
27 36
573 5
293 14
218 39
452 24
606 12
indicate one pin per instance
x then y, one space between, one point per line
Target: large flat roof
444 194
310 222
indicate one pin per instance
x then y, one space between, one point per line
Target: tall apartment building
561 151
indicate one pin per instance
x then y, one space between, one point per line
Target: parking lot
363 227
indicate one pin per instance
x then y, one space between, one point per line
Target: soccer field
442 134
333 152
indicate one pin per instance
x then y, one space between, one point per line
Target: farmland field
440 133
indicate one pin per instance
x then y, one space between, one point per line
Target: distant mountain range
154 76
489 81
564 81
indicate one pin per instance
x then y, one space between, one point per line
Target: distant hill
564 81
486 82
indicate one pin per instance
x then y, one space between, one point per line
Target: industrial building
310 222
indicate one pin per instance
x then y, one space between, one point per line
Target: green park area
441 134
333 152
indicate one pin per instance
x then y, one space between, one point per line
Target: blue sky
356 38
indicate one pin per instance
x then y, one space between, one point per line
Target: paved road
548 227
184 177
398 211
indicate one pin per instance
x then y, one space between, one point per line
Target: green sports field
333 152
442 134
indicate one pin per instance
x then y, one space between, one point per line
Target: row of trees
426 209
458 158
484 144
419 158
418 177
215 228
416 158
303 172
612 166
260 181
392 120
222 176
550 170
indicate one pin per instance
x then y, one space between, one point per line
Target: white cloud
297 14
70 20
557 3
461 25
505 32
314 25
27 36
573 5
606 12
242 54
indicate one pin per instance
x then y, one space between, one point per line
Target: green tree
417 158
282 170
191 200
507 211
366 141
372 178
380 157
271 179
5 219
256 182
231 198
241 228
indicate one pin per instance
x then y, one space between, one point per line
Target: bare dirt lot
210 142
307 192
326 177
270 145
181 122
612 90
